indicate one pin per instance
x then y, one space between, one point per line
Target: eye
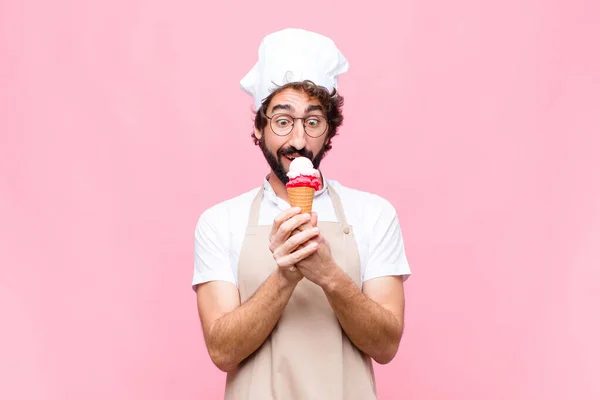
283 121
312 122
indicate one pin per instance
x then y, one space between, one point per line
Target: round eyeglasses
282 124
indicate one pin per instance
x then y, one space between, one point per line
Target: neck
279 187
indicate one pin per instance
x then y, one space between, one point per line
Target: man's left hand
320 267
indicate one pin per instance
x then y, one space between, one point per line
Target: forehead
296 100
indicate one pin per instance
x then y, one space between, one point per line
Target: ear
257 133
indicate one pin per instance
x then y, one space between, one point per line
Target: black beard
275 161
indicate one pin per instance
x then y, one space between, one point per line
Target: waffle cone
301 197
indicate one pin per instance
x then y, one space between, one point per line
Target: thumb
314 219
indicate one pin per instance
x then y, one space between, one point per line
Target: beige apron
307 356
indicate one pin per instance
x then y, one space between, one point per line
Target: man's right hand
288 249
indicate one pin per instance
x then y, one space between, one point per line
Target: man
296 306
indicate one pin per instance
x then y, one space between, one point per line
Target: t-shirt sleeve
386 255
211 250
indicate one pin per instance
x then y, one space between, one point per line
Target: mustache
290 151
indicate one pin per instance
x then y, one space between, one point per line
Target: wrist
286 279
334 280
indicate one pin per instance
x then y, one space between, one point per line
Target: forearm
236 335
375 330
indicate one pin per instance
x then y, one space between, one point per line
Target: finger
295 241
302 227
286 228
314 219
282 217
283 235
297 256
308 225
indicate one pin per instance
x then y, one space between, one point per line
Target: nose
297 136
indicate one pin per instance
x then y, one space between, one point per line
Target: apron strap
255 207
337 205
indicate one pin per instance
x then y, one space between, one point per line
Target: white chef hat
293 55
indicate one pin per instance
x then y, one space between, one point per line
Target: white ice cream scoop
301 166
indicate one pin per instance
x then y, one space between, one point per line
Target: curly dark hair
331 102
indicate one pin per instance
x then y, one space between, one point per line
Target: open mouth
291 158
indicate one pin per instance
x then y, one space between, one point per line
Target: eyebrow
282 107
313 107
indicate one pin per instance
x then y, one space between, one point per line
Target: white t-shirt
220 231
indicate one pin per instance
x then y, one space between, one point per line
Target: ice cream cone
301 197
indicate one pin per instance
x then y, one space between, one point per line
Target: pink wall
479 121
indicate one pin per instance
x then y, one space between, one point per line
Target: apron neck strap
337 205
335 200
255 207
